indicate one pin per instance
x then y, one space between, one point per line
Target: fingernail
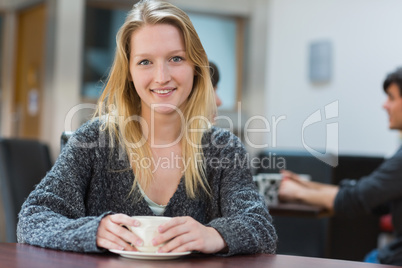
139 242
136 223
153 242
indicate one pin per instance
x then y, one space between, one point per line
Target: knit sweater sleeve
244 221
54 214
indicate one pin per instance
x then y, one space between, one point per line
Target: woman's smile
163 92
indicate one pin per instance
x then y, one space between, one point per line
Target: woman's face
162 75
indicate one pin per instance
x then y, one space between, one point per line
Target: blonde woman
150 150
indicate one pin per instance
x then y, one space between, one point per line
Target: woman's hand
112 235
187 234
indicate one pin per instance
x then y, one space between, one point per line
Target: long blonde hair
120 96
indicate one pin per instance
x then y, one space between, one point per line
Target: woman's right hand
113 235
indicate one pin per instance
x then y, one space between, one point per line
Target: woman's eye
144 62
177 59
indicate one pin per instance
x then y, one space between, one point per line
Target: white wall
7 74
64 70
367 44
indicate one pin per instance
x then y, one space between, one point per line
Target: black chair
23 163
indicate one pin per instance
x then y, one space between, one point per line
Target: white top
157 209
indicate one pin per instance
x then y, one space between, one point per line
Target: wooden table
298 210
20 255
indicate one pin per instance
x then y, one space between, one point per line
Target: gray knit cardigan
91 179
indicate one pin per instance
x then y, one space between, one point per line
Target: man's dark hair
213 70
394 78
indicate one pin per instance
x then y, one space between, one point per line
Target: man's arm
297 190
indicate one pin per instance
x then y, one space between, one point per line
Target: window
218 35
101 26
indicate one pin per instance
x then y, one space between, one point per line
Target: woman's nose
162 75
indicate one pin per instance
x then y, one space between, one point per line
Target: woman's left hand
187 234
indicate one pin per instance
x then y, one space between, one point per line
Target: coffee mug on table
268 186
147 230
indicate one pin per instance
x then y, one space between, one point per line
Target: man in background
213 70
381 189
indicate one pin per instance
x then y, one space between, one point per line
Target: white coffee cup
147 230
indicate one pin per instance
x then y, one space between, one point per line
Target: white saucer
149 255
